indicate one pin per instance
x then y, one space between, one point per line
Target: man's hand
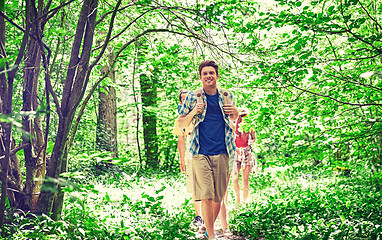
198 109
184 121
182 165
231 110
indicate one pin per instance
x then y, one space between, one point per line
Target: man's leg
208 211
217 208
197 207
223 209
246 172
235 183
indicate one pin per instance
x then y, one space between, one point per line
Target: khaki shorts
210 175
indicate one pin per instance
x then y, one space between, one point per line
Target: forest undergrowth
286 202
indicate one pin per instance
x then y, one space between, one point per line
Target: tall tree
32 138
149 119
73 91
107 110
148 81
5 128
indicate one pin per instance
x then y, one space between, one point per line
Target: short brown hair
209 63
182 91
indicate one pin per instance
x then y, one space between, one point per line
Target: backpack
199 99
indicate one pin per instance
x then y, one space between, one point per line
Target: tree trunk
149 101
6 92
6 132
34 138
107 113
6 96
15 186
73 92
5 128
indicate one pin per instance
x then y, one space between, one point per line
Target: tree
107 111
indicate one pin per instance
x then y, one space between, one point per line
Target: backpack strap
199 95
199 99
226 98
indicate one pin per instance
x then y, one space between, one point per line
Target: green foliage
311 203
309 71
313 97
296 202
131 208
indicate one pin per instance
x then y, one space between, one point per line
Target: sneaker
227 232
202 229
198 221
206 234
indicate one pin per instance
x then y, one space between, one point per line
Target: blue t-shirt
211 130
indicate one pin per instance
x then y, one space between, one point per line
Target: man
212 142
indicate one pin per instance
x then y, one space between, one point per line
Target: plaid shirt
189 104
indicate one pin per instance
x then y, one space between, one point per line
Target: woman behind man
185 156
244 159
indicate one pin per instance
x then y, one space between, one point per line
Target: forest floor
290 202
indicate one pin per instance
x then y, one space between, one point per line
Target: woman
244 159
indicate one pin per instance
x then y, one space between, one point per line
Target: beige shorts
210 175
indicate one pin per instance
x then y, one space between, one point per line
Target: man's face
208 76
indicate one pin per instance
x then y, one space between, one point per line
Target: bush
296 205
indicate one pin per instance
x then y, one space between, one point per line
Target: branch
336 100
122 31
11 21
22 29
106 14
355 83
53 11
95 62
18 148
368 14
358 37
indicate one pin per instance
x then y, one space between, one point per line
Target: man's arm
182 152
184 121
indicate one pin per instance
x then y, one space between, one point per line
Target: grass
290 204
293 202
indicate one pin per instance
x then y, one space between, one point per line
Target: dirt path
219 230
220 234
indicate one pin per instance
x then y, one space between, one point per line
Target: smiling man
212 141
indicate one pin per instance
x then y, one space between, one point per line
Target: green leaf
2 61
107 197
